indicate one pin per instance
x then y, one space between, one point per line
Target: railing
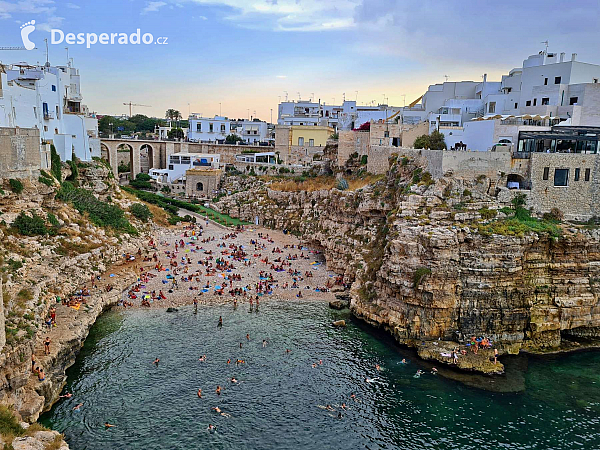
521 155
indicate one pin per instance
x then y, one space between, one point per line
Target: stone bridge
158 152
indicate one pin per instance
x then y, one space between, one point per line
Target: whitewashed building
49 98
202 129
347 116
179 163
251 131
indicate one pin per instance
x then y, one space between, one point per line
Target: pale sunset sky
245 53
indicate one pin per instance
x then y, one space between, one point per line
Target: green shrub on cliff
32 225
55 164
419 275
16 186
519 225
100 213
140 212
9 425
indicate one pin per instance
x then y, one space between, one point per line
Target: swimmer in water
264 343
434 371
330 408
234 380
108 425
67 395
220 324
211 428
343 406
248 337
377 366
77 407
156 361
314 366
353 396
403 361
202 358
199 393
229 361
218 390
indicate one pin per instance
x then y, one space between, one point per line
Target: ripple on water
279 402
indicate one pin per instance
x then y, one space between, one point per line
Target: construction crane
134 104
13 48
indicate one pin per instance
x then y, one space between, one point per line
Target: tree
172 114
176 133
433 141
422 141
233 139
437 141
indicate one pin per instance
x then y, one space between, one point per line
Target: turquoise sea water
279 401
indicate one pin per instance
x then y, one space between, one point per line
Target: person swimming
234 380
220 324
218 390
199 393
264 343
211 428
108 425
76 408
156 361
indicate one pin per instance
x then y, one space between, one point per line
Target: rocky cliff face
442 260
36 270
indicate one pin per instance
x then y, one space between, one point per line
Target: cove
278 403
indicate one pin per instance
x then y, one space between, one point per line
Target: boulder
339 323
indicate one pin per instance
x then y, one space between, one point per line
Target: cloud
72 6
8 8
286 15
153 7
51 22
280 76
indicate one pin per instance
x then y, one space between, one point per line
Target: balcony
48 115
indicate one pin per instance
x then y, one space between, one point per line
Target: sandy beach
214 264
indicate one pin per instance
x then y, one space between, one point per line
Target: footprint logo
26 30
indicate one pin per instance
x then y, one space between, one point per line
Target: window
170 166
534 101
545 81
386 134
594 80
492 107
53 88
300 141
222 128
56 131
557 80
57 111
516 105
528 103
545 101
198 127
210 127
587 175
546 172
577 172
561 177
35 112
573 100
311 142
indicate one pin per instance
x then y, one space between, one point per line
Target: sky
239 57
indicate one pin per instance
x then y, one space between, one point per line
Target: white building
202 129
251 131
261 158
339 117
179 163
49 98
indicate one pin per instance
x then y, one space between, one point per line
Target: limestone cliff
38 269
443 260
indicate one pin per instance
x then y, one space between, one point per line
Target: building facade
49 98
180 163
203 129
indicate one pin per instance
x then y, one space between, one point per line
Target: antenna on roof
546 44
446 77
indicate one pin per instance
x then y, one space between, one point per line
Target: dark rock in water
344 296
172 309
338 304
339 323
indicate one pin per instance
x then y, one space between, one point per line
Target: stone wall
19 153
409 135
352 142
210 180
580 199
